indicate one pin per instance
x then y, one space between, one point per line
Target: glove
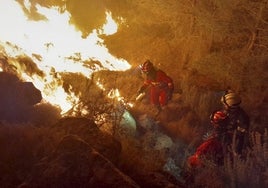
155 83
140 96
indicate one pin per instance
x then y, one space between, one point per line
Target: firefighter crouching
157 87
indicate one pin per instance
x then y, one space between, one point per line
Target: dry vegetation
23 146
236 172
136 159
205 46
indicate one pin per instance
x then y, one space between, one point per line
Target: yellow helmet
231 99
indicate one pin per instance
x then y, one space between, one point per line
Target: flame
100 85
110 27
115 94
58 46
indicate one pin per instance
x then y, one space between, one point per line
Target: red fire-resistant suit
159 87
211 150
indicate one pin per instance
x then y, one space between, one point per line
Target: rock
31 95
157 180
146 122
17 98
128 124
75 163
163 142
88 131
125 127
172 168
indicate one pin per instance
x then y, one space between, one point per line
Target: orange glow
59 46
115 94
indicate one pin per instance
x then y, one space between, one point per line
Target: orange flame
115 94
54 41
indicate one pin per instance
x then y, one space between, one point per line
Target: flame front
55 46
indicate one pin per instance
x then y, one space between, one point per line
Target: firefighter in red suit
212 149
157 85
230 121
